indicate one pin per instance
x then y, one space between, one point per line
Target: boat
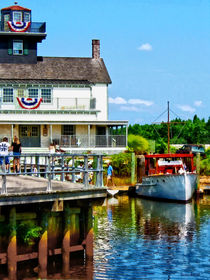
168 177
111 192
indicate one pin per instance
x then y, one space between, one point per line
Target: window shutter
25 51
10 50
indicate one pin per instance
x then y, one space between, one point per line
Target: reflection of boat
112 192
170 176
176 213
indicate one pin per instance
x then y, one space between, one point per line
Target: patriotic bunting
29 103
19 26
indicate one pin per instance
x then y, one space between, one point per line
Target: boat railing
56 166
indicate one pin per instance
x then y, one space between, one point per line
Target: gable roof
58 69
15 8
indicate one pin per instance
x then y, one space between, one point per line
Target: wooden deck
29 189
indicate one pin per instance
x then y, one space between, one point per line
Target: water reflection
142 239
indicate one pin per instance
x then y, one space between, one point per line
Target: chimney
96 49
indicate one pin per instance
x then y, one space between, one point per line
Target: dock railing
58 166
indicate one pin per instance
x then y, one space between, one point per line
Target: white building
60 100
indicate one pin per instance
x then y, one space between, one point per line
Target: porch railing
58 166
62 104
92 141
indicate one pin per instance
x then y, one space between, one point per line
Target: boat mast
168 130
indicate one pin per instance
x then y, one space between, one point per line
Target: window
17 16
6 19
20 92
68 130
18 47
27 17
33 92
46 95
8 95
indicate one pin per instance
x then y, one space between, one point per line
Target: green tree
138 144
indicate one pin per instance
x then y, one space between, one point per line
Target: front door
101 136
29 135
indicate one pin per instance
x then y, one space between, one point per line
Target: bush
137 144
121 164
205 164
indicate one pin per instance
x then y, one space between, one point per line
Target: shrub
137 144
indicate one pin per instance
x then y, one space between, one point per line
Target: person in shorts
109 174
16 148
4 152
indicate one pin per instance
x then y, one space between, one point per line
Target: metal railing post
73 169
49 186
97 172
4 180
25 168
85 179
38 166
62 168
101 183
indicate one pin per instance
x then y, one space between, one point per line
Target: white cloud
198 103
140 101
186 108
129 108
117 100
145 47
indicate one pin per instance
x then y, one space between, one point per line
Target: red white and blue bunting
19 26
29 103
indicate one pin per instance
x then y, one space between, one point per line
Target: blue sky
155 50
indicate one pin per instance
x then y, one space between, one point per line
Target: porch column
12 132
126 135
89 136
107 136
50 133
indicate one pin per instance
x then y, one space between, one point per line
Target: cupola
15 18
19 35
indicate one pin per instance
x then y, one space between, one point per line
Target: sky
155 51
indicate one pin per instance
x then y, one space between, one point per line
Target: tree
138 144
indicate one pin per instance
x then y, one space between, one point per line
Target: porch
108 136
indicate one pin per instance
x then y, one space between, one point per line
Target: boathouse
60 100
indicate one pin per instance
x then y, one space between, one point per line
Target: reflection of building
63 237
53 99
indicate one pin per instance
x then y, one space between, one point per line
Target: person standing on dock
16 148
4 151
109 175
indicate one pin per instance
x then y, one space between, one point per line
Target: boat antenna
168 129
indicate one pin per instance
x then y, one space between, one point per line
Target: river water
142 239
132 238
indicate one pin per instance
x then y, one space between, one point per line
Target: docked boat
168 177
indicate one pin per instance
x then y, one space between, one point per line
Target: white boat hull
173 187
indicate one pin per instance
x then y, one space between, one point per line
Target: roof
15 8
68 69
169 156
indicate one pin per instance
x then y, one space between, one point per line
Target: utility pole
168 130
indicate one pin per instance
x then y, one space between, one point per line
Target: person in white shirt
4 151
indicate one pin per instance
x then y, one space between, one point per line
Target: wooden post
89 242
12 246
43 247
66 242
89 234
133 167
198 159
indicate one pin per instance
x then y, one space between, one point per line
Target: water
142 239
132 238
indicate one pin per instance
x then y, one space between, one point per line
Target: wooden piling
66 242
12 246
43 247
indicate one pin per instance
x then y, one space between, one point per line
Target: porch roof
111 123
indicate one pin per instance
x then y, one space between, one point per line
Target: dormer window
18 47
17 16
27 17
